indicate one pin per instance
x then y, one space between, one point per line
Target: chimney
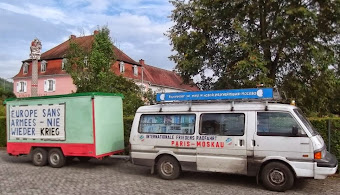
95 32
141 62
73 37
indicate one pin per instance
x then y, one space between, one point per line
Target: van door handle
241 142
254 143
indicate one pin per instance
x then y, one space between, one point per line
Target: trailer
53 128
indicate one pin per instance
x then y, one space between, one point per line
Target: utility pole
35 56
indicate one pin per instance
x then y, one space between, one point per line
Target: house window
135 70
122 66
49 85
43 66
25 68
63 63
22 87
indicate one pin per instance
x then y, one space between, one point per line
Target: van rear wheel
39 157
168 168
277 176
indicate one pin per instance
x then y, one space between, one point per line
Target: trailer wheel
56 158
39 157
277 176
168 168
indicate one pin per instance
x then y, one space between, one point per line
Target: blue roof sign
232 94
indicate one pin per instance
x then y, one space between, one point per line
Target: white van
272 141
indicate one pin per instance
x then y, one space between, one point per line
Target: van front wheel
277 176
168 168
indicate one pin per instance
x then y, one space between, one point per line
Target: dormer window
122 66
25 68
63 63
135 70
43 66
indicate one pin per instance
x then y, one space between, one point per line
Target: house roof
164 77
154 75
53 67
85 42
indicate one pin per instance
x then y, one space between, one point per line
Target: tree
260 41
4 95
90 69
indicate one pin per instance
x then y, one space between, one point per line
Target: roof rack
232 95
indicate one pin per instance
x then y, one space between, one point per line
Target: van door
221 143
274 137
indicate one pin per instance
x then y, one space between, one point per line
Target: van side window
167 124
276 124
222 124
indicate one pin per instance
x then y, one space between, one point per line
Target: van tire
168 168
39 157
56 158
277 176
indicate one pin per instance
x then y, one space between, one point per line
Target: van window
276 124
167 124
222 124
306 122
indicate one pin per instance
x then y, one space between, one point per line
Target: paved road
117 176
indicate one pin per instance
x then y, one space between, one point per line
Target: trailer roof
92 94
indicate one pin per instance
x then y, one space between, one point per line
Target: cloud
42 12
137 27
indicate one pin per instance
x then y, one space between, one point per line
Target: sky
137 27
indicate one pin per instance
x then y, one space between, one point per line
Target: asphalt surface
118 176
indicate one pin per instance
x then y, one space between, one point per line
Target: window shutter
25 86
18 87
45 85
53 84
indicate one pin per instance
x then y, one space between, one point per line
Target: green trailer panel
109 119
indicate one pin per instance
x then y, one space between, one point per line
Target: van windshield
306 122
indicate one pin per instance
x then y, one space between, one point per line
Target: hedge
321 124
2 131
127 128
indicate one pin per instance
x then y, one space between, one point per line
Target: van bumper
326 166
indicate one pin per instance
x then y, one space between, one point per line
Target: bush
321 124
3 131
127 128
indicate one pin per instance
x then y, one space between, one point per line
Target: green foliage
317 94
127 128
149 97
90 70
3 131
3 96
6 85
289 44
321 124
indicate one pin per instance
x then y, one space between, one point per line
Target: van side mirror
295 131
